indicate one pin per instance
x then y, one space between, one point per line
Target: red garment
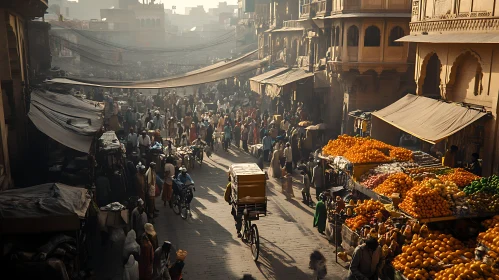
256 139
146 260
192 134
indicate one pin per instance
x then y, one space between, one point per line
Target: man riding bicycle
198 146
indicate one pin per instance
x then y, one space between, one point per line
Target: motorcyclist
184 177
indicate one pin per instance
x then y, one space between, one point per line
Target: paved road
214 252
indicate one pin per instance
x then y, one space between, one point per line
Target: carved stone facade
464 72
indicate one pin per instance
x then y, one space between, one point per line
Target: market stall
426 217
42 231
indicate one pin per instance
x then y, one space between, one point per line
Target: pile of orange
400 154
365 150
356 222
490 239
470 270
369 208
489 223
460 177
397 183
365 155
419 259
424 202
341 145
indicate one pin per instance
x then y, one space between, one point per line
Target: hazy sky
181 4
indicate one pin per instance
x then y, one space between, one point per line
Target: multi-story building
15 17
350 48
456 60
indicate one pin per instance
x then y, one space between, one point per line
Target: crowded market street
286 234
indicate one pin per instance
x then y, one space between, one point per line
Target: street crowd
167 122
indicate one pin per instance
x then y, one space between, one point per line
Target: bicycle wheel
176 205
255 242
183 211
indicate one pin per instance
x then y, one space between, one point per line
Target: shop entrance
431 82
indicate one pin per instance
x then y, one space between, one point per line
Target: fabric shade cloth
428 119
212 73
255 82
68 120
275 84
43 208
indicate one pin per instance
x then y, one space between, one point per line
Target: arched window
337 36
158 22
372 38
396 33
353 36
142 22
148 22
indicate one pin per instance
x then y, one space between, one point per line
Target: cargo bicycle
249 201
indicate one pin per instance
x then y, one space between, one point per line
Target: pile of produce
461 177
485 185
434 170
424 159
425 201
490 239
396 183
491 222
424 256
356 222
365 150
400 154
387 168
366 212
450 191
481 202
375 180
469 270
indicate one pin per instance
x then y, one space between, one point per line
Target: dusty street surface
214 252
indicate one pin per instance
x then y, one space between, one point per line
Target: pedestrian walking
131 271
138 219
288 155
320 214
318 180
162 261
166 196
146 259
318 265
267 147
152 235
151 190
305 192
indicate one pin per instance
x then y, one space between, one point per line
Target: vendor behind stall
450 159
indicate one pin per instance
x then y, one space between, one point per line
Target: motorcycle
182 197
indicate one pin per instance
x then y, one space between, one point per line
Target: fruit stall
431 221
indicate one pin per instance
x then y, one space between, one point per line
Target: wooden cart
249 200
248 189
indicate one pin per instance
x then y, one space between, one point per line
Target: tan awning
428 119
66 119
274 85
453 38
288 29
255 82
212 73
288 77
